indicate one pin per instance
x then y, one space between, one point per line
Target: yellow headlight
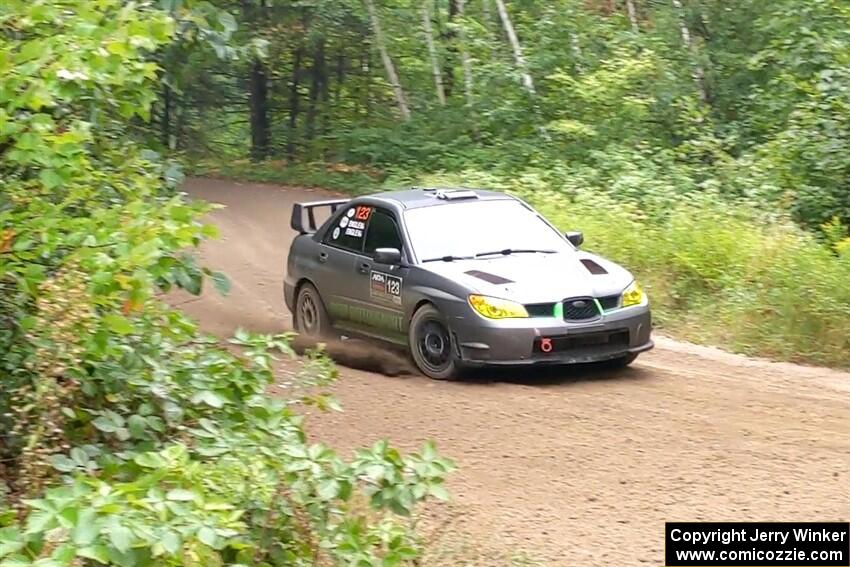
633 295
494 308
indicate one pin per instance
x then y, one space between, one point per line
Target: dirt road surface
576 467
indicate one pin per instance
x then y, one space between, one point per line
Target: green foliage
126 436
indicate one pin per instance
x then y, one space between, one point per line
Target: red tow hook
546 345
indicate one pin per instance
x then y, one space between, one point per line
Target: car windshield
479 228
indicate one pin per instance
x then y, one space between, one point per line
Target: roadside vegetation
126 436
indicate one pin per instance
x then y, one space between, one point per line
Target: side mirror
390 256
575 238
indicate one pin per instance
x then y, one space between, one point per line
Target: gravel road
572 467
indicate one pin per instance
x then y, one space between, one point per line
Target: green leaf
62 463
438 491
105 424
208 397
181 495
120 537
50 179
207 536
150 460
86 529
137 426
328 489
221 283
171 542
40 521
79 456
98 553
11 540
118 324
227 21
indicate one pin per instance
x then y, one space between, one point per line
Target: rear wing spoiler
310 227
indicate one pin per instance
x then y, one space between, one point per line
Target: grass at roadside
717 273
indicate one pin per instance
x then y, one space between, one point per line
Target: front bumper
519 341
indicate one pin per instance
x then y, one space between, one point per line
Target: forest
705 144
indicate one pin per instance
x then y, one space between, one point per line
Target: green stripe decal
559 310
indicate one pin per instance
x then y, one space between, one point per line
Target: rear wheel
311 319
431 345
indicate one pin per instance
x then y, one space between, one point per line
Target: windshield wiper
507 251
447 259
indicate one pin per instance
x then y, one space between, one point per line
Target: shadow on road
394 362
554 375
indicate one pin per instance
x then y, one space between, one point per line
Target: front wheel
311 319
431 345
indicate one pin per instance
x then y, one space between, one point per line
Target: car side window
348 231
382 233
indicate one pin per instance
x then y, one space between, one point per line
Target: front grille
609 302
580 309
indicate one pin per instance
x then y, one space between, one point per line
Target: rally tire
310 316
432 346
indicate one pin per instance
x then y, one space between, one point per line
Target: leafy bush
126 436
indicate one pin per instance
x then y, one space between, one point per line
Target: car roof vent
455 194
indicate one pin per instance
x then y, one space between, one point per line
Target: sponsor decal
385 287
354 223
336 233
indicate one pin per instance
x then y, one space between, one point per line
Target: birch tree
519 58
464 57
697 71
630 8
389 67
432 52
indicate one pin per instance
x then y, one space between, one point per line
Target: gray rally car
462 278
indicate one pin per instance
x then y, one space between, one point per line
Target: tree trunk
630 7
317 74
464 58
575 47
697 72
432 51
340 77
294 102
258 101
392 76
450 38
527 81
165 125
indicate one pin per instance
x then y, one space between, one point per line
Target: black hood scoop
593 267
490 278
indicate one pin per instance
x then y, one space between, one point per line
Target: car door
379 288
339 256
